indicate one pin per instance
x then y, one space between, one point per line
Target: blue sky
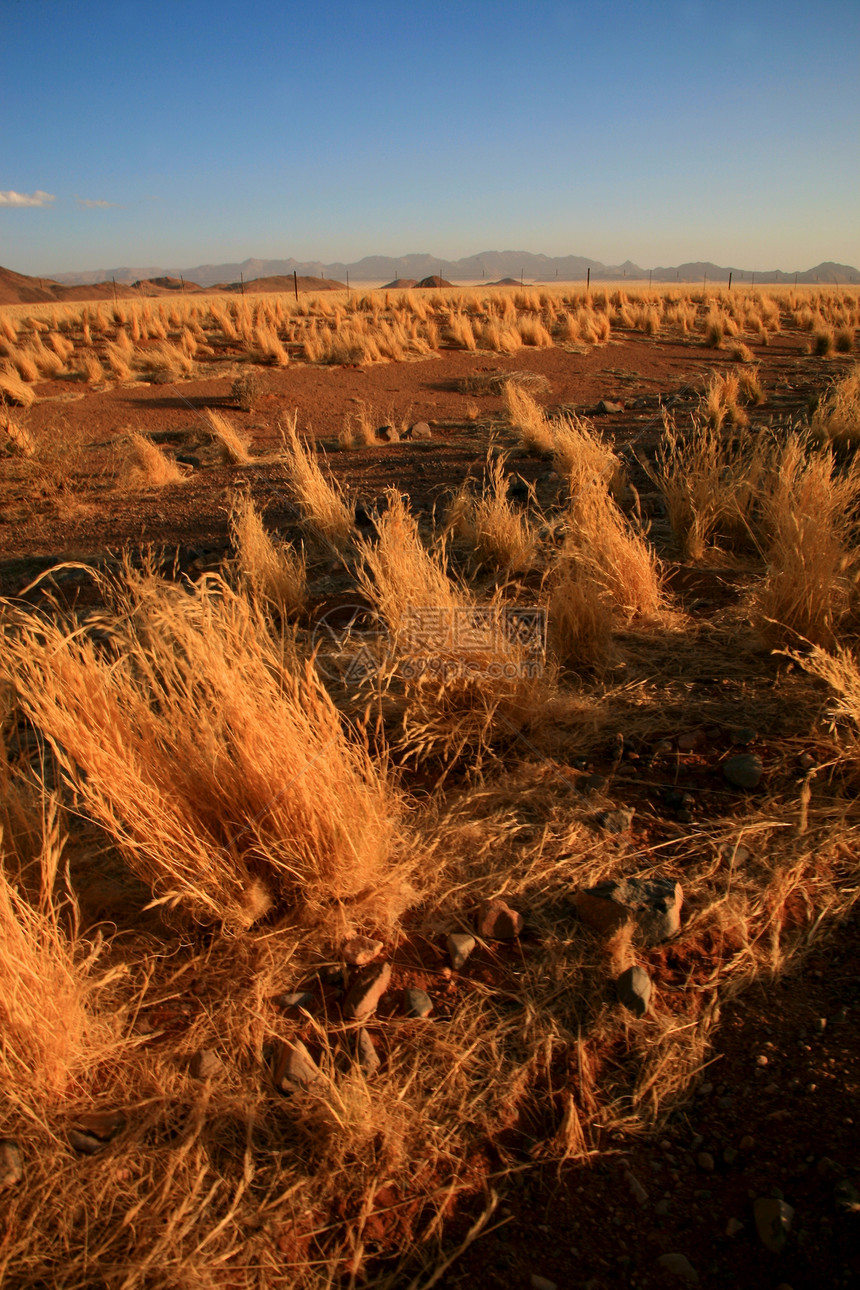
180 133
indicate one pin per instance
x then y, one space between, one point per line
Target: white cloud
38 198
90 202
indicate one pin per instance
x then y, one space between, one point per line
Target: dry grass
501 535
837 418
15 438
273 572
323 505
529 420
14 390
148 466
232 444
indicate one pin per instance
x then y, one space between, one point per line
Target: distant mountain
486 265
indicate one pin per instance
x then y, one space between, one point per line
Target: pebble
365 1051
746 1143
733 1226
662 1208
743 735
615 821
729 1156
705 1161
417 1002
541 1283
366 992
11 1163
206 1064
690 740
654 904
633 988
460 946
637 1191
496 921
421 430
361 950
678 1265
294 999
773 1221
295 1068
743 771
663 748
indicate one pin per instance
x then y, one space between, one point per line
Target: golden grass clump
582 457
810 545
15 438
273 572
720 404
502 535
528 418
214 760
579 618
13 389
321 501
149 466
837 418
613 553
232 444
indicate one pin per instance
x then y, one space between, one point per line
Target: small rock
690 740
615 821
460 946
295 1068
541 1283
365 1051
388 434
11 1163
206 1064
733 1226
637 1191
729 1156
678 1265
496 921
746 1143
605 406
773 1221
417 1003
92 1131
361 950
654 903
734 853
294 999
366 992
743 735
663 748
421 430
743 771
705 1161
633 988
806 761
847 1197
761 1060
662 1208
593 783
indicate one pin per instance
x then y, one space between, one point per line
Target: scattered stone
11 1163
92 1131
820 1025
541 1283
733 1226
761 1060
189 459
663 748
806 761
295 1069
460 946
654 903
691 740
678 800
417 1003
678 1265
773 1221
421 430
615 821
705 1161
743 771
637 1191
743 735
496 921
729 1156
365 1051
593 783
388 434
206 1064
605 406
662 1208
633 988
294 999
847 1197
746 1143
366 992
734 853
361 950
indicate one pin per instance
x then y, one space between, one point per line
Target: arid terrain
430 753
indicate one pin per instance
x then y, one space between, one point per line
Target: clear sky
147 132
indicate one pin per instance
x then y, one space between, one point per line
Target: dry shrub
269 345
844 340
117 361
232 445
14 390
527 417
720 404
533 332
164 359
321 501
742 353
613 554
90 367
214 760
503 536
823 341
247 389
15 439
533 383
148 466
710 483
582 457
579 618
810 545
274 574
837 418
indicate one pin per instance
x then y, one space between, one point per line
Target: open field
341 617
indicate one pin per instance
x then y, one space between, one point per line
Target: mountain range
487 265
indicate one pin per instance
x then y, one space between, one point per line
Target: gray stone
496 921
615 821
361 950
606 406
705 1161
678 1265
733 1226
365 1051
637 1191
421 430
295 1069
417 1002
541 1283
743 735
654 904
744 770
294 999
387 434
11 1163
206 1064
366 991
93 1130
460 946
633 988
773 1222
